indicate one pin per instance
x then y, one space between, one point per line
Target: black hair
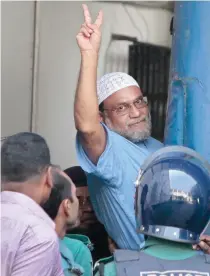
23 156
77 175
61 190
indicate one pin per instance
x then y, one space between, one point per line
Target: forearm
86 112
86 102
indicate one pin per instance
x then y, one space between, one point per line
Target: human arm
91 133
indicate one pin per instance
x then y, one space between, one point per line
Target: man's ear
101 117
49 178
66 207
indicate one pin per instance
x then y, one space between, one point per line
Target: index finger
204 247
99 19
205 238
86 14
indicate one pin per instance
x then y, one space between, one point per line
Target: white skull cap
111 83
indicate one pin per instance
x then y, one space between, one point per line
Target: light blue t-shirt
111 185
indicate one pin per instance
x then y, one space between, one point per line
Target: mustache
139 120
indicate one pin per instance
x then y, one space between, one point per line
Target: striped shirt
29 244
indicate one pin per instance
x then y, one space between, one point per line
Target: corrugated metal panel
149 65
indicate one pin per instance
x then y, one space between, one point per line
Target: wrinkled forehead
124 95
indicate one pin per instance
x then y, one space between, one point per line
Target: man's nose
88 208
134 112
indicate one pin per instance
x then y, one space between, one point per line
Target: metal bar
35 66
189 93
124 38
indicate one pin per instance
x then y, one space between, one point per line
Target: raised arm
86 112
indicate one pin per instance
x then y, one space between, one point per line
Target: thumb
195 247
93 27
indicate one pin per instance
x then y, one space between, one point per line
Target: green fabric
81 254
81 238
104 260
109 268
168 250
162 249
67 260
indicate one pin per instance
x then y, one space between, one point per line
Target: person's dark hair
101 107
61 190
23 156
77 175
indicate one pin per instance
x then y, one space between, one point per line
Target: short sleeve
38 258
108 162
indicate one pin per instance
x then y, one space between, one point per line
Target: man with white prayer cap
113 140
116 82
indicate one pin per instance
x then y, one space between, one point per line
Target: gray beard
133 136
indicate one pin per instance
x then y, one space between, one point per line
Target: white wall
58 63
16 66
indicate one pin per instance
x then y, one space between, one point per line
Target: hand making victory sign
89 36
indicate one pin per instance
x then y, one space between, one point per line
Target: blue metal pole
188 114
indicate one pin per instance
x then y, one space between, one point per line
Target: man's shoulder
24 230
68 242
156 143
13 222
77 245
26 226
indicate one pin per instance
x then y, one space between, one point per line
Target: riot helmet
173 195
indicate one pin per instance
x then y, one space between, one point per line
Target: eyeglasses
83 200
124 108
